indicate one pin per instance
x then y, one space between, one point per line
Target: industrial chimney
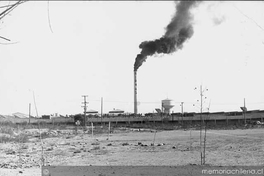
135 92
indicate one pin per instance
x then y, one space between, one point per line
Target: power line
85 108
247 17
158 102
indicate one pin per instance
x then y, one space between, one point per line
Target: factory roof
116 111
91 111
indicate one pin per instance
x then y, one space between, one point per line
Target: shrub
7 130
21 138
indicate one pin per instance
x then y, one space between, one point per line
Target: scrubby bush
7 130
21 138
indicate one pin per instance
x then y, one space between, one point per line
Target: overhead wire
251 19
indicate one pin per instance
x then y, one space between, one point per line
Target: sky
62 50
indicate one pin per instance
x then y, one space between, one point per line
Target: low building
20 115
116 112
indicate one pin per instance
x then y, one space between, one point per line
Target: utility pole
29 113
101 110
85 108
182 111
244 111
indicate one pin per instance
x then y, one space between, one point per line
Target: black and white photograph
131 88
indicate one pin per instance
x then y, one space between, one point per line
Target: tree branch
8 9
5 38
248 17
49 18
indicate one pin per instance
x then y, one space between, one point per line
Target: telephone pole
85 108
182 110
244 111
101 110
29 112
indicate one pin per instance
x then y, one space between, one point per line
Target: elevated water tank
166 105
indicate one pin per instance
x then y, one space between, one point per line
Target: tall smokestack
177 32
135 92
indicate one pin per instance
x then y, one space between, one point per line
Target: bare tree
5 9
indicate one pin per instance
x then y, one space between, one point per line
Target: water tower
166 105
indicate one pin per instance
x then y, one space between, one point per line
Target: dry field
22 149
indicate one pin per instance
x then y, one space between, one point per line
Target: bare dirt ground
130 147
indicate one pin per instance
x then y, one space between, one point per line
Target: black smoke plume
177 32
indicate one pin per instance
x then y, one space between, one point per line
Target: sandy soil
132 148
